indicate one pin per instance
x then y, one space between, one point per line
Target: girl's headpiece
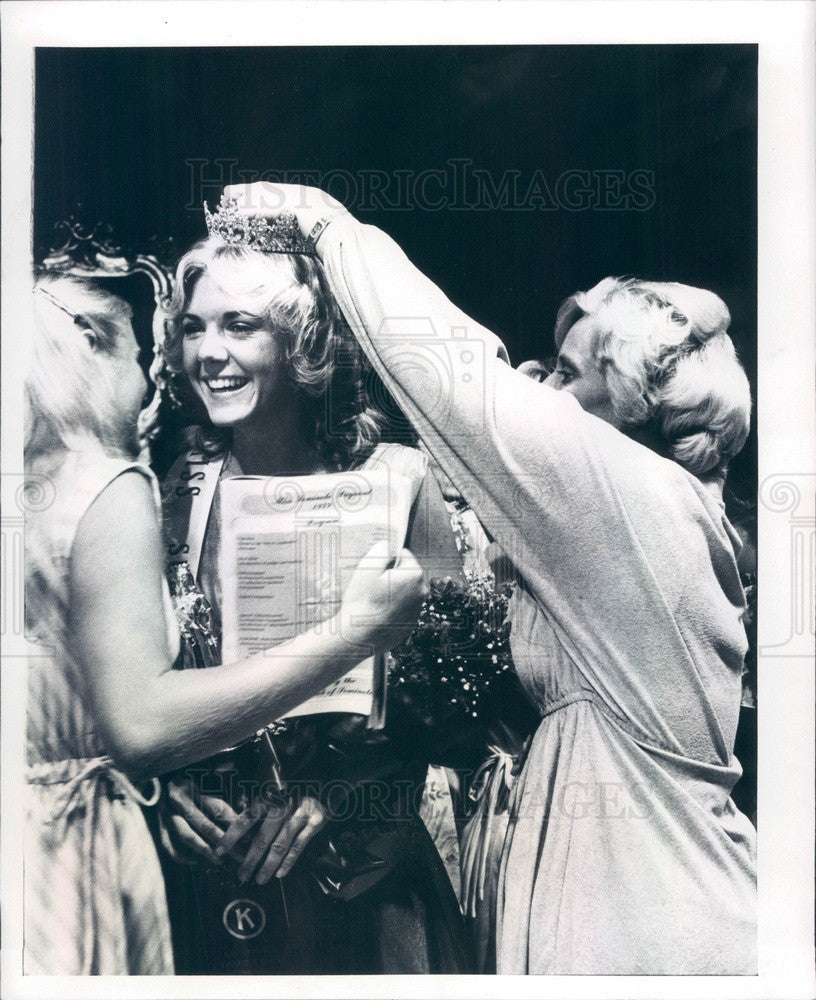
55 301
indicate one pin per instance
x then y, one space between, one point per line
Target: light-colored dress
94 893
625 853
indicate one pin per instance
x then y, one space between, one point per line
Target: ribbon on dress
68 780
72 786
490 791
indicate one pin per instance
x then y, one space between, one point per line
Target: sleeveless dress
625 853
94 894
408 921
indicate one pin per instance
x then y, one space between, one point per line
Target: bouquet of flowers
447 675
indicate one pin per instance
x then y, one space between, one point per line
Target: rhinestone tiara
283 235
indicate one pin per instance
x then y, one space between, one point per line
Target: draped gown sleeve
627 632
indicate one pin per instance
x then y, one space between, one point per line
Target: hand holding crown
310 208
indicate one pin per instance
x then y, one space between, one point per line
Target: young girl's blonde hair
69 396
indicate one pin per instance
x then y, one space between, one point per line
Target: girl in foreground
105 707
625 853
276 385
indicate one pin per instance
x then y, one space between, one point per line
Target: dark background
116 129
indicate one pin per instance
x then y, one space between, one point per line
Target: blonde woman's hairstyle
670 365
69 395
323 360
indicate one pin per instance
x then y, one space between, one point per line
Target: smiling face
232 355
578 371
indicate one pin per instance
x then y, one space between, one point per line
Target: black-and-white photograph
389 508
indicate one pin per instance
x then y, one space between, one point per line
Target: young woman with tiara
273 384
106 709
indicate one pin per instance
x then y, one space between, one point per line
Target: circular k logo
244 918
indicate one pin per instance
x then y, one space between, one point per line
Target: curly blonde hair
669 363
323 360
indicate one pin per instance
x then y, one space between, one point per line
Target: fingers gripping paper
289 547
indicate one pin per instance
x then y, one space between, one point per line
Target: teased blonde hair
669 362
322 357
69 394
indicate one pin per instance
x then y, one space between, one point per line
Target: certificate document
289 547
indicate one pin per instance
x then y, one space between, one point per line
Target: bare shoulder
122 517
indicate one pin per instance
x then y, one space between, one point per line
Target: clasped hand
195 825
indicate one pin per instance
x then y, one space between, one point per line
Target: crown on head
283 235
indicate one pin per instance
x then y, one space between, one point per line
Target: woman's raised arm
579 508
523 455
